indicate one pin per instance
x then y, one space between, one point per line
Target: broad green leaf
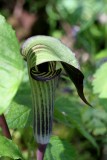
10 64
9 149
59 149
100 81
66 111
18 116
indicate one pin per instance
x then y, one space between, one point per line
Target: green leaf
23 95
95 121
67 112
103 103
100 81
18 116
102 54
9 149
10 64
59 149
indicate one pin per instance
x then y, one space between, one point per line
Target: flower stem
4 126
40 151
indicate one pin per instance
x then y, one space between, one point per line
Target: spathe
42 53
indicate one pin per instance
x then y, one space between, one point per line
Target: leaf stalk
4 126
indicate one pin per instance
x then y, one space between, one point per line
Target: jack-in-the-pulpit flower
42 54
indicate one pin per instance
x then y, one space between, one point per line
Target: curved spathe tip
77 78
